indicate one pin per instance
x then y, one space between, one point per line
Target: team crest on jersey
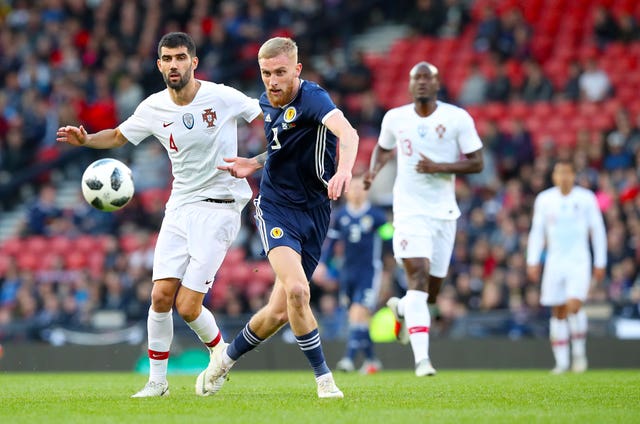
366 222
276 232
441 129
422 130
187 120
403 244
290 114
209 117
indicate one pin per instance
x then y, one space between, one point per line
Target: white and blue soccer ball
107 184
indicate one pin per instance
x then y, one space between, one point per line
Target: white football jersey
197 136
564 223
443 136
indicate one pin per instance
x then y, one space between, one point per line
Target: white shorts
425 237
193 242
561 283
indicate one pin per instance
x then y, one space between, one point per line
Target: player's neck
295 90
185 95
565 190
425 108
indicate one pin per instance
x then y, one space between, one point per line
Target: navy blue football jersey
301 150
358 230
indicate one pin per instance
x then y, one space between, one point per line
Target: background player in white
196 123
431 137
564 217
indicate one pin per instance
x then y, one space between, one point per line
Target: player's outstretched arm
243 167
348 149
78 136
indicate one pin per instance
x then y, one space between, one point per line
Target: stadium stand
65 62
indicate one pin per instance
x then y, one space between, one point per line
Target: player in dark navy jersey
356 226
301 150
300 177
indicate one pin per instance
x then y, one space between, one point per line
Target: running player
430 137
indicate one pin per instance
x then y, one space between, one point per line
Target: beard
181 83
423 99
283 97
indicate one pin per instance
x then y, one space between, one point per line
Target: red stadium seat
234 256
12 246
36 244
5 263
87 244
28 261
60 245
76 261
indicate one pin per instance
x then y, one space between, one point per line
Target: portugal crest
209 117
187 120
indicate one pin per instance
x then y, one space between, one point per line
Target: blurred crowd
92 61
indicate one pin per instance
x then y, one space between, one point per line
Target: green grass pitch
598 396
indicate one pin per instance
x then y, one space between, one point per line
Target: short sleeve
468 138
386 139
319 105
246 107
136 127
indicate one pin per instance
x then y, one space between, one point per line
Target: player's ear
298 69
158 63
195 62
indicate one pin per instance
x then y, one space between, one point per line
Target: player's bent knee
162 302
188 313
298 295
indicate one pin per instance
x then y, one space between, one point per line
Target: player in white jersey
431 138
196 122
564 218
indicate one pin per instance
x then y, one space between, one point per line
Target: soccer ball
107 185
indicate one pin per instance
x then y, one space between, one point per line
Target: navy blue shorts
302 230
361 288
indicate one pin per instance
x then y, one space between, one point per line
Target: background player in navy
356 226
302 126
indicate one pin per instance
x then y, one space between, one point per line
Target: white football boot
216 373
153 389
424 368
557 370
579 364
370 366
327 387
346 365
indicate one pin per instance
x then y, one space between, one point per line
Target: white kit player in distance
431 137
564 218
196 122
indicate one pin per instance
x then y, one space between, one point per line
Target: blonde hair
277 46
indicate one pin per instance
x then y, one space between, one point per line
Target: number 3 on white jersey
276 142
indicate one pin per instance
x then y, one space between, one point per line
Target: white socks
206 328
559 335
578 328
417 319
160 333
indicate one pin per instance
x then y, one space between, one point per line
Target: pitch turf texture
598 396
